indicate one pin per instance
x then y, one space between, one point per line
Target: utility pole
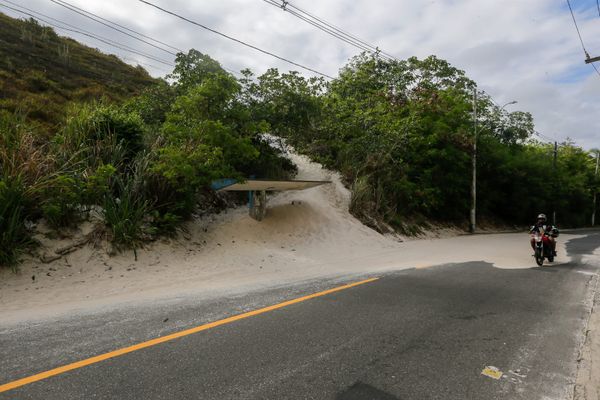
473 220
596 176
554 197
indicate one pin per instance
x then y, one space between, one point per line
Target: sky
516 50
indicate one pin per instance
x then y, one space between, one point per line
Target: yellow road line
153 342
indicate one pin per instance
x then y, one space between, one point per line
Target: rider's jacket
549 229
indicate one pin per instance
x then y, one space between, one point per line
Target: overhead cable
93 17
587 55
234 39
123 27
72 28
330 28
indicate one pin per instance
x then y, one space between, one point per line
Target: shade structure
227 185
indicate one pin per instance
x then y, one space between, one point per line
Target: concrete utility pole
473 221
595 175
553 197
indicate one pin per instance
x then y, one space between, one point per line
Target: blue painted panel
221 183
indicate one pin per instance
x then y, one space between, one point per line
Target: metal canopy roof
226 185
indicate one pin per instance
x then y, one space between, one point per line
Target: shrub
98 184
361 202
186 170
14 237
103 132
124 213
165 224
22 155
128 128
62 200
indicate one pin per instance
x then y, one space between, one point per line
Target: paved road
414 334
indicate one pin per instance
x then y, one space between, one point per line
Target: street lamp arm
509 103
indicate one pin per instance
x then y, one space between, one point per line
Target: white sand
305 235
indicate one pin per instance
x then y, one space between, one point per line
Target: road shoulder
587 385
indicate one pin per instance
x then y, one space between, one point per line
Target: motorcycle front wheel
539 257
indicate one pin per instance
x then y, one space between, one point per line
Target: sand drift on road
306 235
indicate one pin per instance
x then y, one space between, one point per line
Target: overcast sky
523 50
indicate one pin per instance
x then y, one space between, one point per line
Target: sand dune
305 235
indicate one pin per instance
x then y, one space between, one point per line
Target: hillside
41 72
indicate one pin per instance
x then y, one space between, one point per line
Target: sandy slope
305 235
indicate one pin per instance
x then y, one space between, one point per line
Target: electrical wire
544 137
540 135
376 48
325 29
345 33
331 32
587 56
84 33
577 29
234 39
95 18
54 60
121 26
145 64
329 28
105 40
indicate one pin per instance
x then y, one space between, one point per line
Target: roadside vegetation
42 72
400 133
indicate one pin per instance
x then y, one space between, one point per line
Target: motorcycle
543 247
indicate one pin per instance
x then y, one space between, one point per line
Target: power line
95 18
234 39
341 30
544 137
329 28
122 26
335 32
577 28
105 40
540 135
315 24
84 33
587 56
54 59
143 63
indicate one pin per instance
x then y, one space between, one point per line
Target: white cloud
516 50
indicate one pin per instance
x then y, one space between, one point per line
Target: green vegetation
41 73
140 168
399 132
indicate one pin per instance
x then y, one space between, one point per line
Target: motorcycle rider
548 229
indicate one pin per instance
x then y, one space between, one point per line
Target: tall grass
23 167
14 237
126 210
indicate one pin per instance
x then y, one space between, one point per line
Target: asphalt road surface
415 334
